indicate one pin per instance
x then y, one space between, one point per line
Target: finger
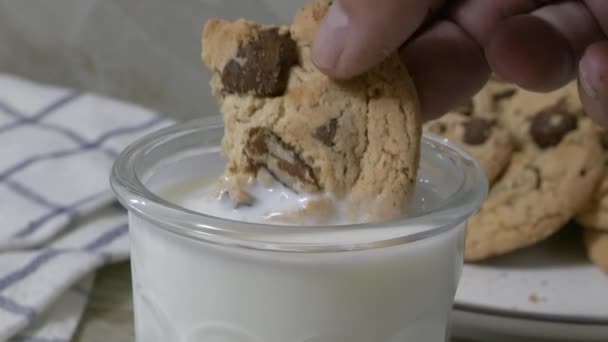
593 82
539 51
599 10
528 51
357 34
574 21
447 66
479 18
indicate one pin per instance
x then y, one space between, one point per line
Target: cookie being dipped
355 140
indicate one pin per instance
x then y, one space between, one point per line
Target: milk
270 202
187 290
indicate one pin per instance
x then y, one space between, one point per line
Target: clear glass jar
203 278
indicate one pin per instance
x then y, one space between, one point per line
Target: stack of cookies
546 162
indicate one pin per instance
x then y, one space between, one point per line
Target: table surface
109 315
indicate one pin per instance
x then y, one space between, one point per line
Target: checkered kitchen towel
58 221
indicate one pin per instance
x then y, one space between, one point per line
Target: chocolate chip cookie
547 182
595 213
490 143
523 104
596 243
356 139
492 99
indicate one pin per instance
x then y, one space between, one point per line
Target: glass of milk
202 278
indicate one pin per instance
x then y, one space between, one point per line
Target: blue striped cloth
59 219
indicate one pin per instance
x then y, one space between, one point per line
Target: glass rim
143 202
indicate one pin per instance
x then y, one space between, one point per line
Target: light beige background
145 51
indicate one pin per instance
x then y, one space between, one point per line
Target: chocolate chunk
261 66
477 131
326 133
256 145
265 149
548 128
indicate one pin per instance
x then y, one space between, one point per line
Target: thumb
358 34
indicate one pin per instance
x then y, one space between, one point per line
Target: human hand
450 47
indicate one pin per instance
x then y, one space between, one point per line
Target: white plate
482 326
552 282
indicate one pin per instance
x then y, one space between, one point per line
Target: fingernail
587 84
331 38
593 91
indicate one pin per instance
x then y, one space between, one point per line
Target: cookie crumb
235 188
241 198
534 298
